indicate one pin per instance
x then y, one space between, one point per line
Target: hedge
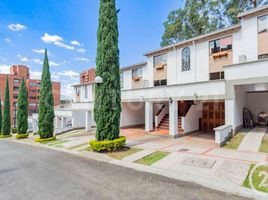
5 136
108 145
45 139
22 136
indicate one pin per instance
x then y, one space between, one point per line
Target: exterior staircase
164 124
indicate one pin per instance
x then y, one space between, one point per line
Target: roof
133 66
81 84
252 11
232 28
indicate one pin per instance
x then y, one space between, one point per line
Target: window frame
139 72
161 55
220 48
258 23
183 61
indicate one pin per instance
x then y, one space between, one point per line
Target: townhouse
199 85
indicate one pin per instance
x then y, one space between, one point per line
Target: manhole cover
184 150
199 162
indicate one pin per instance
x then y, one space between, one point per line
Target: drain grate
184 150
199 162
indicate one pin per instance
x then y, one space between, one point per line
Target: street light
98 80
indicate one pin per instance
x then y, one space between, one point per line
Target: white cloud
16 27
41 51
51 38
24 59
81 50
52 63
56 40
4 69
76 43
37 61
60 44
68 73
7 40
82 59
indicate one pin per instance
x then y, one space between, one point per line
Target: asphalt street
33 173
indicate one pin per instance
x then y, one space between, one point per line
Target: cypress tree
6 124
22 113
107 105
46 103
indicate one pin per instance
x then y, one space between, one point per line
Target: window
216 75
15 88
16 81
77 91
263 24
160 82
137 73
122 80
160 61
34 84
263 56
223 44
86 91
186 56
32 97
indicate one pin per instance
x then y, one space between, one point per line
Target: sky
68 29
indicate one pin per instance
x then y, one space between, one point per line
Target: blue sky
68 29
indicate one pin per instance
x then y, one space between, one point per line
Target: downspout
194 60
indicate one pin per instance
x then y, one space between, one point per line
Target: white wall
191 120
257 102
240 103
127 79
132 114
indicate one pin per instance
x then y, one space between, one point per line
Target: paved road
33 173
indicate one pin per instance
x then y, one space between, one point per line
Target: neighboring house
17 73
201 84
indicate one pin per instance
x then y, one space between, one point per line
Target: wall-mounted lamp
170 100
98 80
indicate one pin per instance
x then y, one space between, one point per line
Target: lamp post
98 80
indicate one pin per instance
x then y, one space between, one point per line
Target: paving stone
199 162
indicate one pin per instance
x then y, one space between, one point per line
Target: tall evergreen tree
22 113
0 116
46 103
198 17
107 106
6 124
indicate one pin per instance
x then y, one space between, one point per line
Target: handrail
160 115
163 106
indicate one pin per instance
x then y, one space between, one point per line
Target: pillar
230 113
148 116
173 118
88 121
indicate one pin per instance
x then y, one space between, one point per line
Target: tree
107 105
198 17
6 124
22 113
46 103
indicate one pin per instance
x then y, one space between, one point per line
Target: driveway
28 172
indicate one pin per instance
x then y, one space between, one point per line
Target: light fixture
98 80
170 100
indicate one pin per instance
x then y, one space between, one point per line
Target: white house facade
202 84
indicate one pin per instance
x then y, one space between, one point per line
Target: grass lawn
152 158
119 155
260 181
264 144
235 141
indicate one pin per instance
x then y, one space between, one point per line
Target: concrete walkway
252 141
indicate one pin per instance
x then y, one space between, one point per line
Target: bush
5 136
108 145
22 136
14 130
45 139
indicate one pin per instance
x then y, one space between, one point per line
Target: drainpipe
195 60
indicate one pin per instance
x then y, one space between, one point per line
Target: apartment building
201 84
17 73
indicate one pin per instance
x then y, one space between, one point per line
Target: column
62 123
35 126
230 113
173 118
148 116
88 121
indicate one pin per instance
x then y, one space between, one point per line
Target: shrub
5 136
22 136
108 145
45 139
14 130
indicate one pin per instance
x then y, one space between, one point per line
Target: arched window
186 56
